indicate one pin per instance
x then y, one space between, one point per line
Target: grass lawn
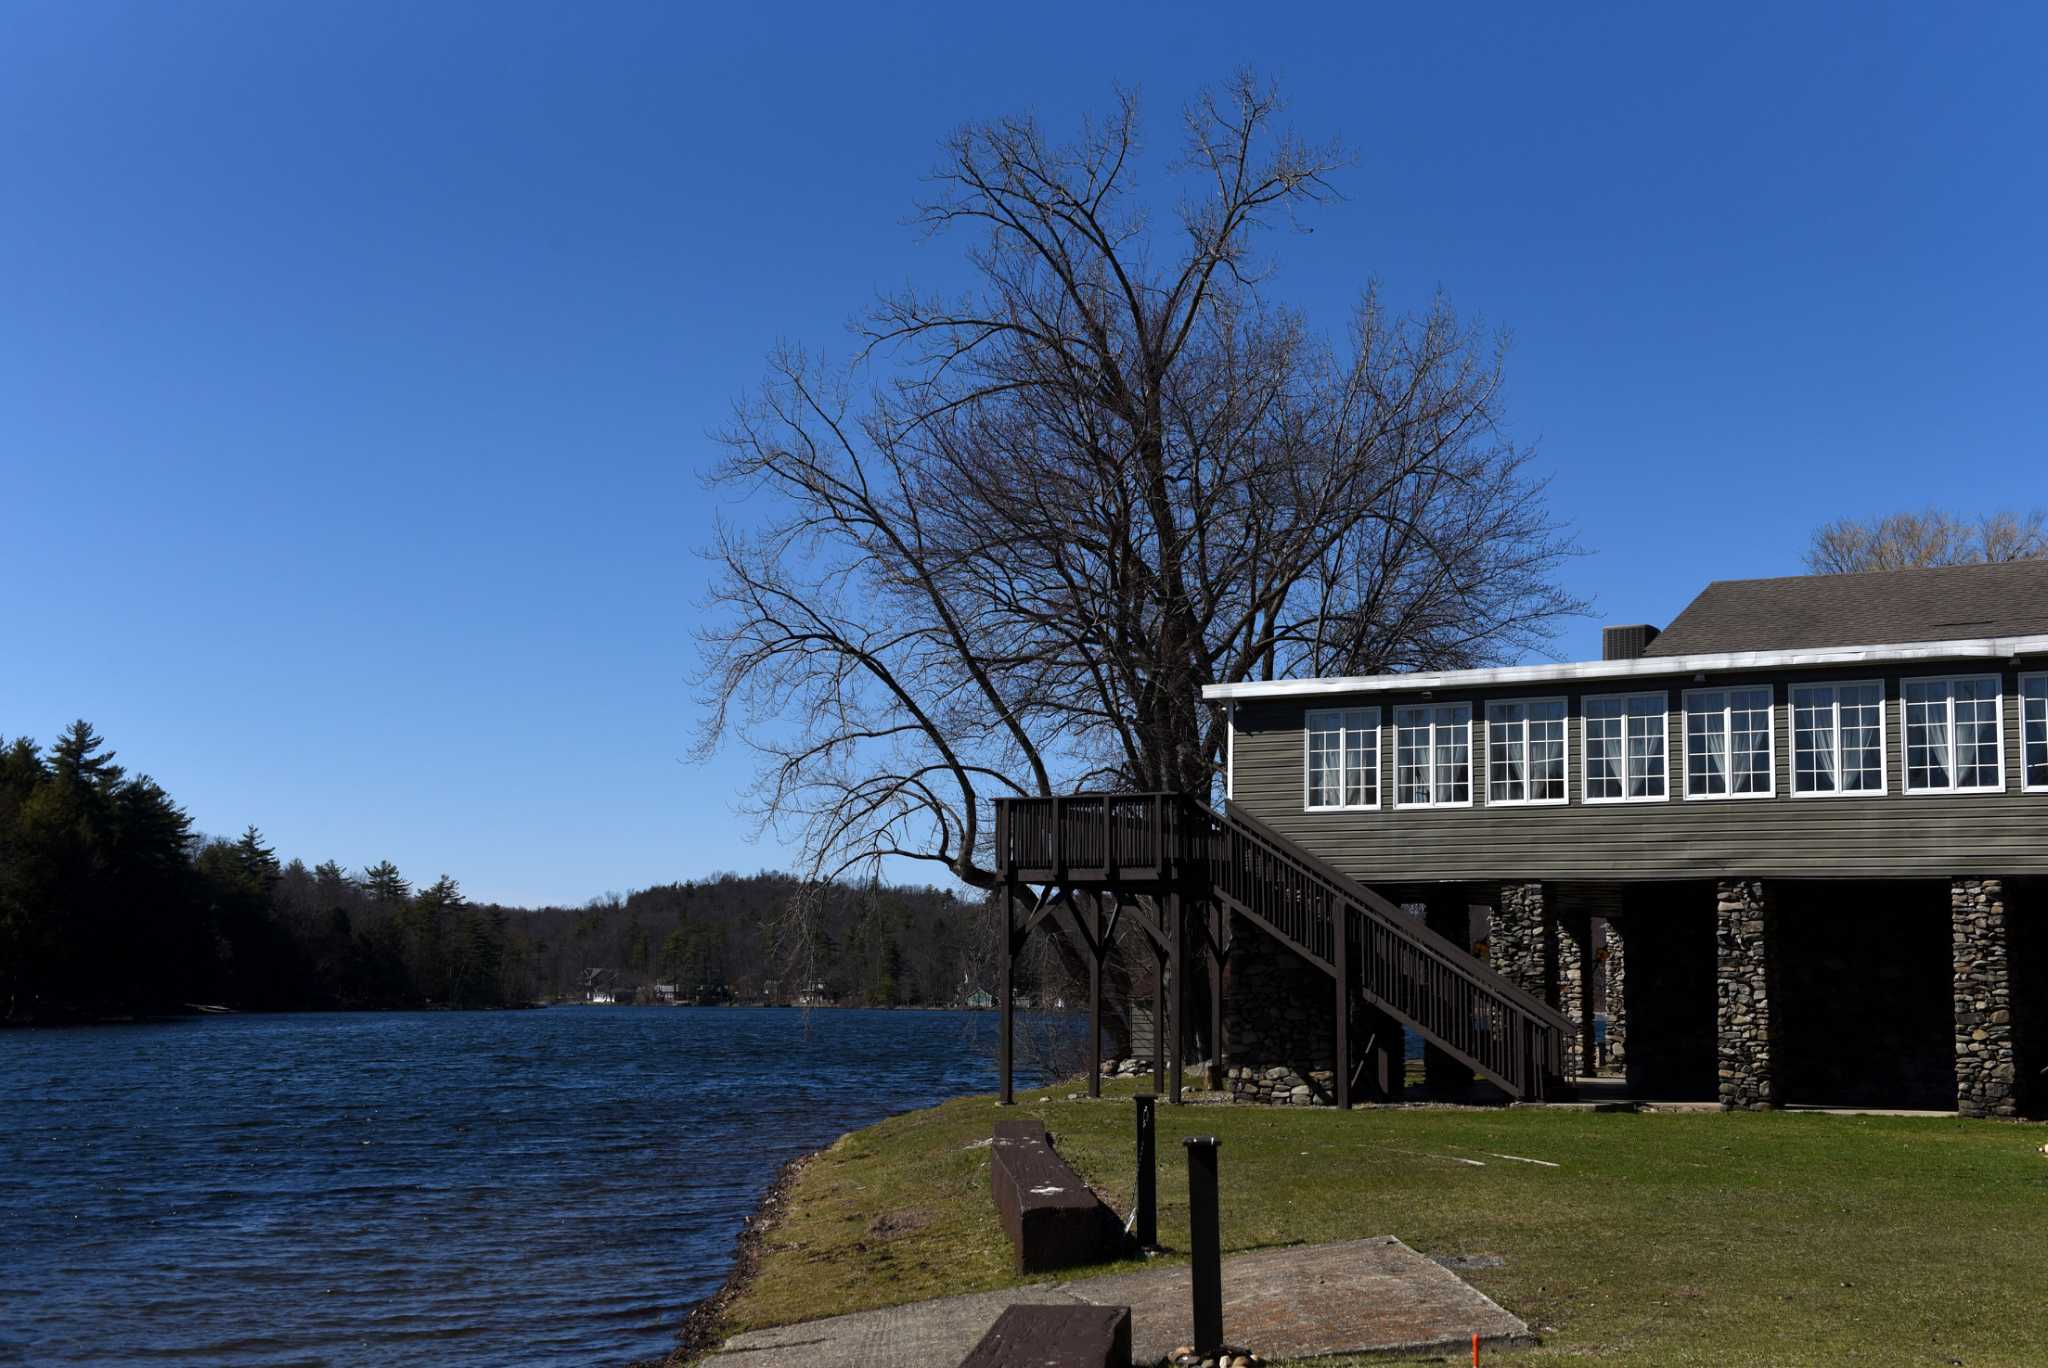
1660 1239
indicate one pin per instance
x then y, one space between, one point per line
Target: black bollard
1145 1222
1205 1243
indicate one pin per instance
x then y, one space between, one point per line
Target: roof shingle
1949 603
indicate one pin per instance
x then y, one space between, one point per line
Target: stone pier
1572 935
1542 942
1278 1024
1745 993
1615 1058
1987 1057
1515 941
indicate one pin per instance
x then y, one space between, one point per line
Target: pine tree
257 861
382 882
80 757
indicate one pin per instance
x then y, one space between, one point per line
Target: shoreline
703 1325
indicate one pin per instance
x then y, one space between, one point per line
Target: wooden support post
1340 960
1005 983
1215 916
1095 949
1177 1042
1158 1007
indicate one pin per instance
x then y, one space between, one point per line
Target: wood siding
1810 837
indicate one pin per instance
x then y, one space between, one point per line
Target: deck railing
1401 966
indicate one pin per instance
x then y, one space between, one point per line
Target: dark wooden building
1800 836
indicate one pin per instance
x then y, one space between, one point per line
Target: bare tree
1004 549
1907 541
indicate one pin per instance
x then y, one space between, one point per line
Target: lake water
551 1187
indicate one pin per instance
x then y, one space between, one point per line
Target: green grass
1661 1239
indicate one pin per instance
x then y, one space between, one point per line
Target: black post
1340 956
1145 1223
1095 949
1176 1060
1205 1243
1216 917
1005 981
1158 1011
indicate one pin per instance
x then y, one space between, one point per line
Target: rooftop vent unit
1626 643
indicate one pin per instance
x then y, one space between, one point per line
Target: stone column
1278 1023
1987 1062
1515 940
1572 935
1745 984
1616 1060
1449 916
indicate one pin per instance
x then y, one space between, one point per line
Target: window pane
1927 735
1862 738
1706 744
1749 741
1411 755
1454 753
1604 747
1646 746
1343 757
1976 733
1361 763
1546 751
1507 736
1813 740
2034 714
1325 737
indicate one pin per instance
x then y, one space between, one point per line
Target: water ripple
507 1188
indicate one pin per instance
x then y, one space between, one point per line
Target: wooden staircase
1179 850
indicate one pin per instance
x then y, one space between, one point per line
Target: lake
545 1187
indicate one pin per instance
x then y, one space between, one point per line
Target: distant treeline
111 905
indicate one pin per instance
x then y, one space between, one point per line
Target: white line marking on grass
1520 1160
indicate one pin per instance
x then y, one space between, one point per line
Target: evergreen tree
257 861
384 885
79 756
433 910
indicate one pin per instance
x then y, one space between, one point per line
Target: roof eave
1644 667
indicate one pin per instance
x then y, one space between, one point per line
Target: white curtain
1825 777
1717 754
1935 738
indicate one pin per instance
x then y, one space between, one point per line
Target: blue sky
357 361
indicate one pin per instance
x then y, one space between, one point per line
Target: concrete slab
1373 1296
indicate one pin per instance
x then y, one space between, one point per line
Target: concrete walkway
1356 1297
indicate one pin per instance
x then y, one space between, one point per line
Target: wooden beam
1005 983
1340 940
1095 1003
1212 927
1177 1042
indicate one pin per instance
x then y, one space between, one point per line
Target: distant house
601 986
663 992
817 995
979 1000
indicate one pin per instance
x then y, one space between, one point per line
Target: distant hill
111 905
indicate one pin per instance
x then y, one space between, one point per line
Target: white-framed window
1625 748
1433 755
2034 730
1525 752
1728 743
1953 739
1838 739
1343 761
